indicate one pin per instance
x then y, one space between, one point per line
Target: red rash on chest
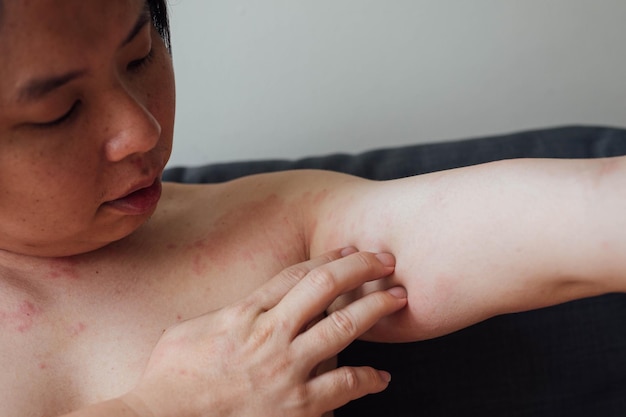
244 233
22 318
77 328
63 268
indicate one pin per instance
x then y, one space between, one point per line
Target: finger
338 387
322 285
269 294
335 332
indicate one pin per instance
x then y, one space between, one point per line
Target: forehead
20 18
52 35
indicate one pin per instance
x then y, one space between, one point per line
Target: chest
54 362
92 342
91 348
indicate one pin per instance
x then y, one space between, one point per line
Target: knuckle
278 367
367 260
302 398
344 322
240 310
380 301
328 257
322 279
237 316
350 379
275 325
261 336
294 274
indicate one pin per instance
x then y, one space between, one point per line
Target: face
86 121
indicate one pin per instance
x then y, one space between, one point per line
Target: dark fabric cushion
565 360
382 164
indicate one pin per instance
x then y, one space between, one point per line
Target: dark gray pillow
388 163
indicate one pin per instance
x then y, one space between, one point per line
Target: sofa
565 360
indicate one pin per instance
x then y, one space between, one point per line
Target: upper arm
472 242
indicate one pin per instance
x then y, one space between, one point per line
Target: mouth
138 201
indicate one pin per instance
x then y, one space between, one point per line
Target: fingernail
386 259
386 376
348 251
398 292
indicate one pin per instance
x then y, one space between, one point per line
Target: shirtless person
93 271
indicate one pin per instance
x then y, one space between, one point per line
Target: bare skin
86 337
182 263
90 278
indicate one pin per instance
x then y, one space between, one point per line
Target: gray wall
290 78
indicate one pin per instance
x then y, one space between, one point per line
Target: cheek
163 101
158 97
47 195
47 184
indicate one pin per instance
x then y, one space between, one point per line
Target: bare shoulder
248 229
285 185
295 204
291 197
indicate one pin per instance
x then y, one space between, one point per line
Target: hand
258 356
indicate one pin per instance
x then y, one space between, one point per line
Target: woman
99 258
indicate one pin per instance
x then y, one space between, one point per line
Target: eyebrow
39 87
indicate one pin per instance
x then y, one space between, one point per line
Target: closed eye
60 120
140 63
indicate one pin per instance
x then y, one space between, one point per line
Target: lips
139 201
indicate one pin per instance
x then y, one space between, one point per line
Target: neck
39 275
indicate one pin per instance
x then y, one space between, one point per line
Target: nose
132 127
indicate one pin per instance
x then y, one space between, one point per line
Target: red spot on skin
320 197
63 268
179 317
43 365
230 235
199 264
22 318
172 246
77 328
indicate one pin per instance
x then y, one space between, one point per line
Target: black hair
158 10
